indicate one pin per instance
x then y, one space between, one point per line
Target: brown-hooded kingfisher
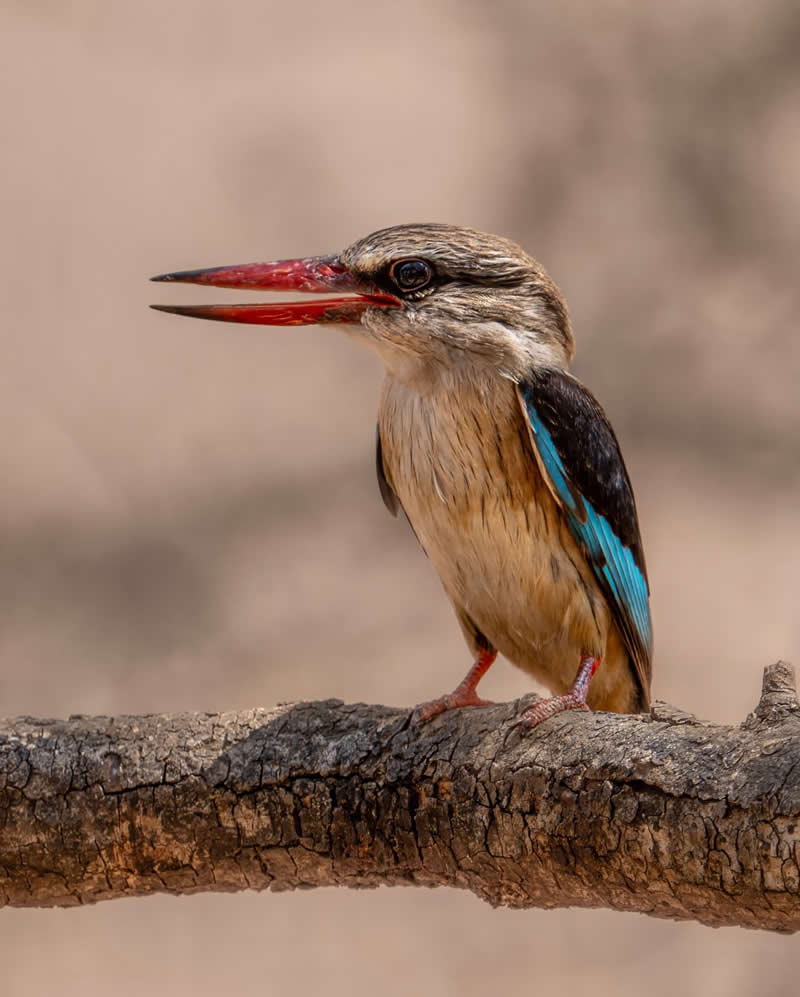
504 463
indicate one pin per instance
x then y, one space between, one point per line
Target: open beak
313 275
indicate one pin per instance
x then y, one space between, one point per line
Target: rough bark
660 814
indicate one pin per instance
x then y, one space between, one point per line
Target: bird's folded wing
390 500
579 457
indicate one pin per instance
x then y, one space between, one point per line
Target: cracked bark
660 814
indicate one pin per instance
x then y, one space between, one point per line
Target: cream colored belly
519 581
473 493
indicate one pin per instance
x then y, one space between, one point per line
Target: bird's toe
543 709
452 701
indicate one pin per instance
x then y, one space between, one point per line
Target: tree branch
660 814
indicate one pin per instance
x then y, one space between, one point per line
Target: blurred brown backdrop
189 517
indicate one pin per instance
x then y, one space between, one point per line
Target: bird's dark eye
411 275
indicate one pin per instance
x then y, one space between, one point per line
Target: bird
503 462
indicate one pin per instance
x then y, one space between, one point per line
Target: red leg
465 693
575 699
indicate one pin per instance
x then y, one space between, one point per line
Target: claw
575 699
452 701
542 710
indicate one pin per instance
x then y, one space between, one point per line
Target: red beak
314 275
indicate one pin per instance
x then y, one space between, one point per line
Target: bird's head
429 298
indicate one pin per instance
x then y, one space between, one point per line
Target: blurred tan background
189 517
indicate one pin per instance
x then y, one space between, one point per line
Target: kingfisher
503 462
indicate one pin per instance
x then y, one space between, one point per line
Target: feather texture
461 462
580 456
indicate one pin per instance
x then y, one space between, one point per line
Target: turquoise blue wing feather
580 454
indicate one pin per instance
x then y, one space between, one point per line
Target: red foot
547 708
575 699
465 693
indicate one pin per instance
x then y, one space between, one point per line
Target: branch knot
778 694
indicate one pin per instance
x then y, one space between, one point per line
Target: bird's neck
432 386
439 354
440 374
